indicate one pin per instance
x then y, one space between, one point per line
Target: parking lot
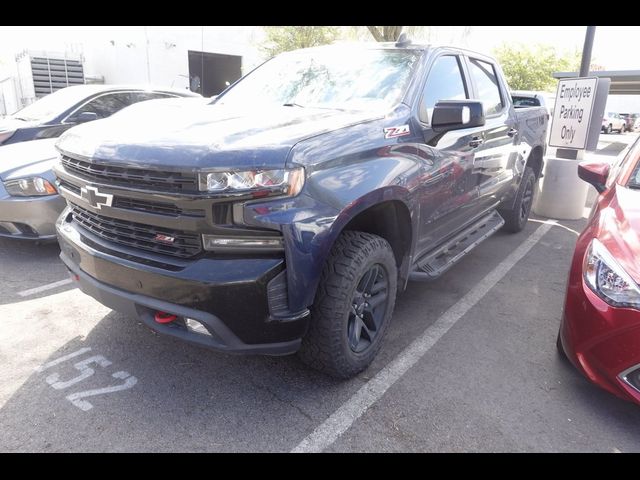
469 364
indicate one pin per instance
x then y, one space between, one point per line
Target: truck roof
390 46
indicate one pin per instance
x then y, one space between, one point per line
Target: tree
532 68
283 39
387 34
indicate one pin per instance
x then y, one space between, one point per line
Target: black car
51 115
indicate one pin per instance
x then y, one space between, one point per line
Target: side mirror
456 114
85 117
595 173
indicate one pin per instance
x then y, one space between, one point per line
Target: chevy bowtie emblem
93 197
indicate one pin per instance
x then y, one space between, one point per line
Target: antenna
403 41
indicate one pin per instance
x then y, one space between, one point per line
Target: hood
10 124
620 229
27 159
192 135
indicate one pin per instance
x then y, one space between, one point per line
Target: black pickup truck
285 215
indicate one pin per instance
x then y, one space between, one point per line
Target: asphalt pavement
469 364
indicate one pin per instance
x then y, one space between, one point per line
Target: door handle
512 132
476 142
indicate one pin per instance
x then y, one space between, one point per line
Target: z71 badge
393 132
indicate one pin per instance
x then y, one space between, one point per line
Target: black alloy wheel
368 308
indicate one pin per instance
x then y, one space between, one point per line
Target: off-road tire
326 345
516 218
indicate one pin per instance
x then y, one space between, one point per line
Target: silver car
29 200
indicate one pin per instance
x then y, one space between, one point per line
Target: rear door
448 195
495 159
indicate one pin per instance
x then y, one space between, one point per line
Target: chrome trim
623 376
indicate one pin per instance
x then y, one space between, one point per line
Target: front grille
158 208
146 206
132 177
138 235
69 186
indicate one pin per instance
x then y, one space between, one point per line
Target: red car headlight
604 275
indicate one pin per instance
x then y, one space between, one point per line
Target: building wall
623 103
130 55
159 55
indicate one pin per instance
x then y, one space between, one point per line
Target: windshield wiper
21 118
292 104
635 186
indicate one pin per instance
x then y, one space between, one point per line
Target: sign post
575 128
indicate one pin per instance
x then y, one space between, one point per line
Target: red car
600 330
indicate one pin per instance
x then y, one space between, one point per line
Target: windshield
327 78
52 105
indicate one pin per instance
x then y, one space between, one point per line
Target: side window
106 105
486 82
143 96
443 83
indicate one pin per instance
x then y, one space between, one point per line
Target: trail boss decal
393 132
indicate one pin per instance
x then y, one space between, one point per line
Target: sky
615 47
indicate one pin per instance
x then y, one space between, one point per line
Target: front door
448 193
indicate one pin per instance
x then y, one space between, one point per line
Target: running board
435 263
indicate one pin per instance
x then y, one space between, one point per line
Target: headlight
257 183
6 136
28 187
608 279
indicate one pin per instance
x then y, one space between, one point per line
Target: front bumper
229 296
603 342
32 218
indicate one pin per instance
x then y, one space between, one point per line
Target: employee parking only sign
572 113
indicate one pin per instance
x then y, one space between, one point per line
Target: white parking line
342 419
44 288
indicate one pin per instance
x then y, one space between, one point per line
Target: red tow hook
162 317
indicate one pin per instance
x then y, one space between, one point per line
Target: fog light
213 242
195 326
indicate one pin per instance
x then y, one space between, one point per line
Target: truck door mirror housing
457 114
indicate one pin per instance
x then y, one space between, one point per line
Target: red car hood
620 229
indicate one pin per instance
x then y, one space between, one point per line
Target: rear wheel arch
535 161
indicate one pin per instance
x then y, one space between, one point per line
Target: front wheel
608 129
353 305
516 218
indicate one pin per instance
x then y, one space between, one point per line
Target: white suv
613 121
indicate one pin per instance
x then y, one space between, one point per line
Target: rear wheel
516 218
353 306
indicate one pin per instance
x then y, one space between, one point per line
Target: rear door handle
476 142
512 132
